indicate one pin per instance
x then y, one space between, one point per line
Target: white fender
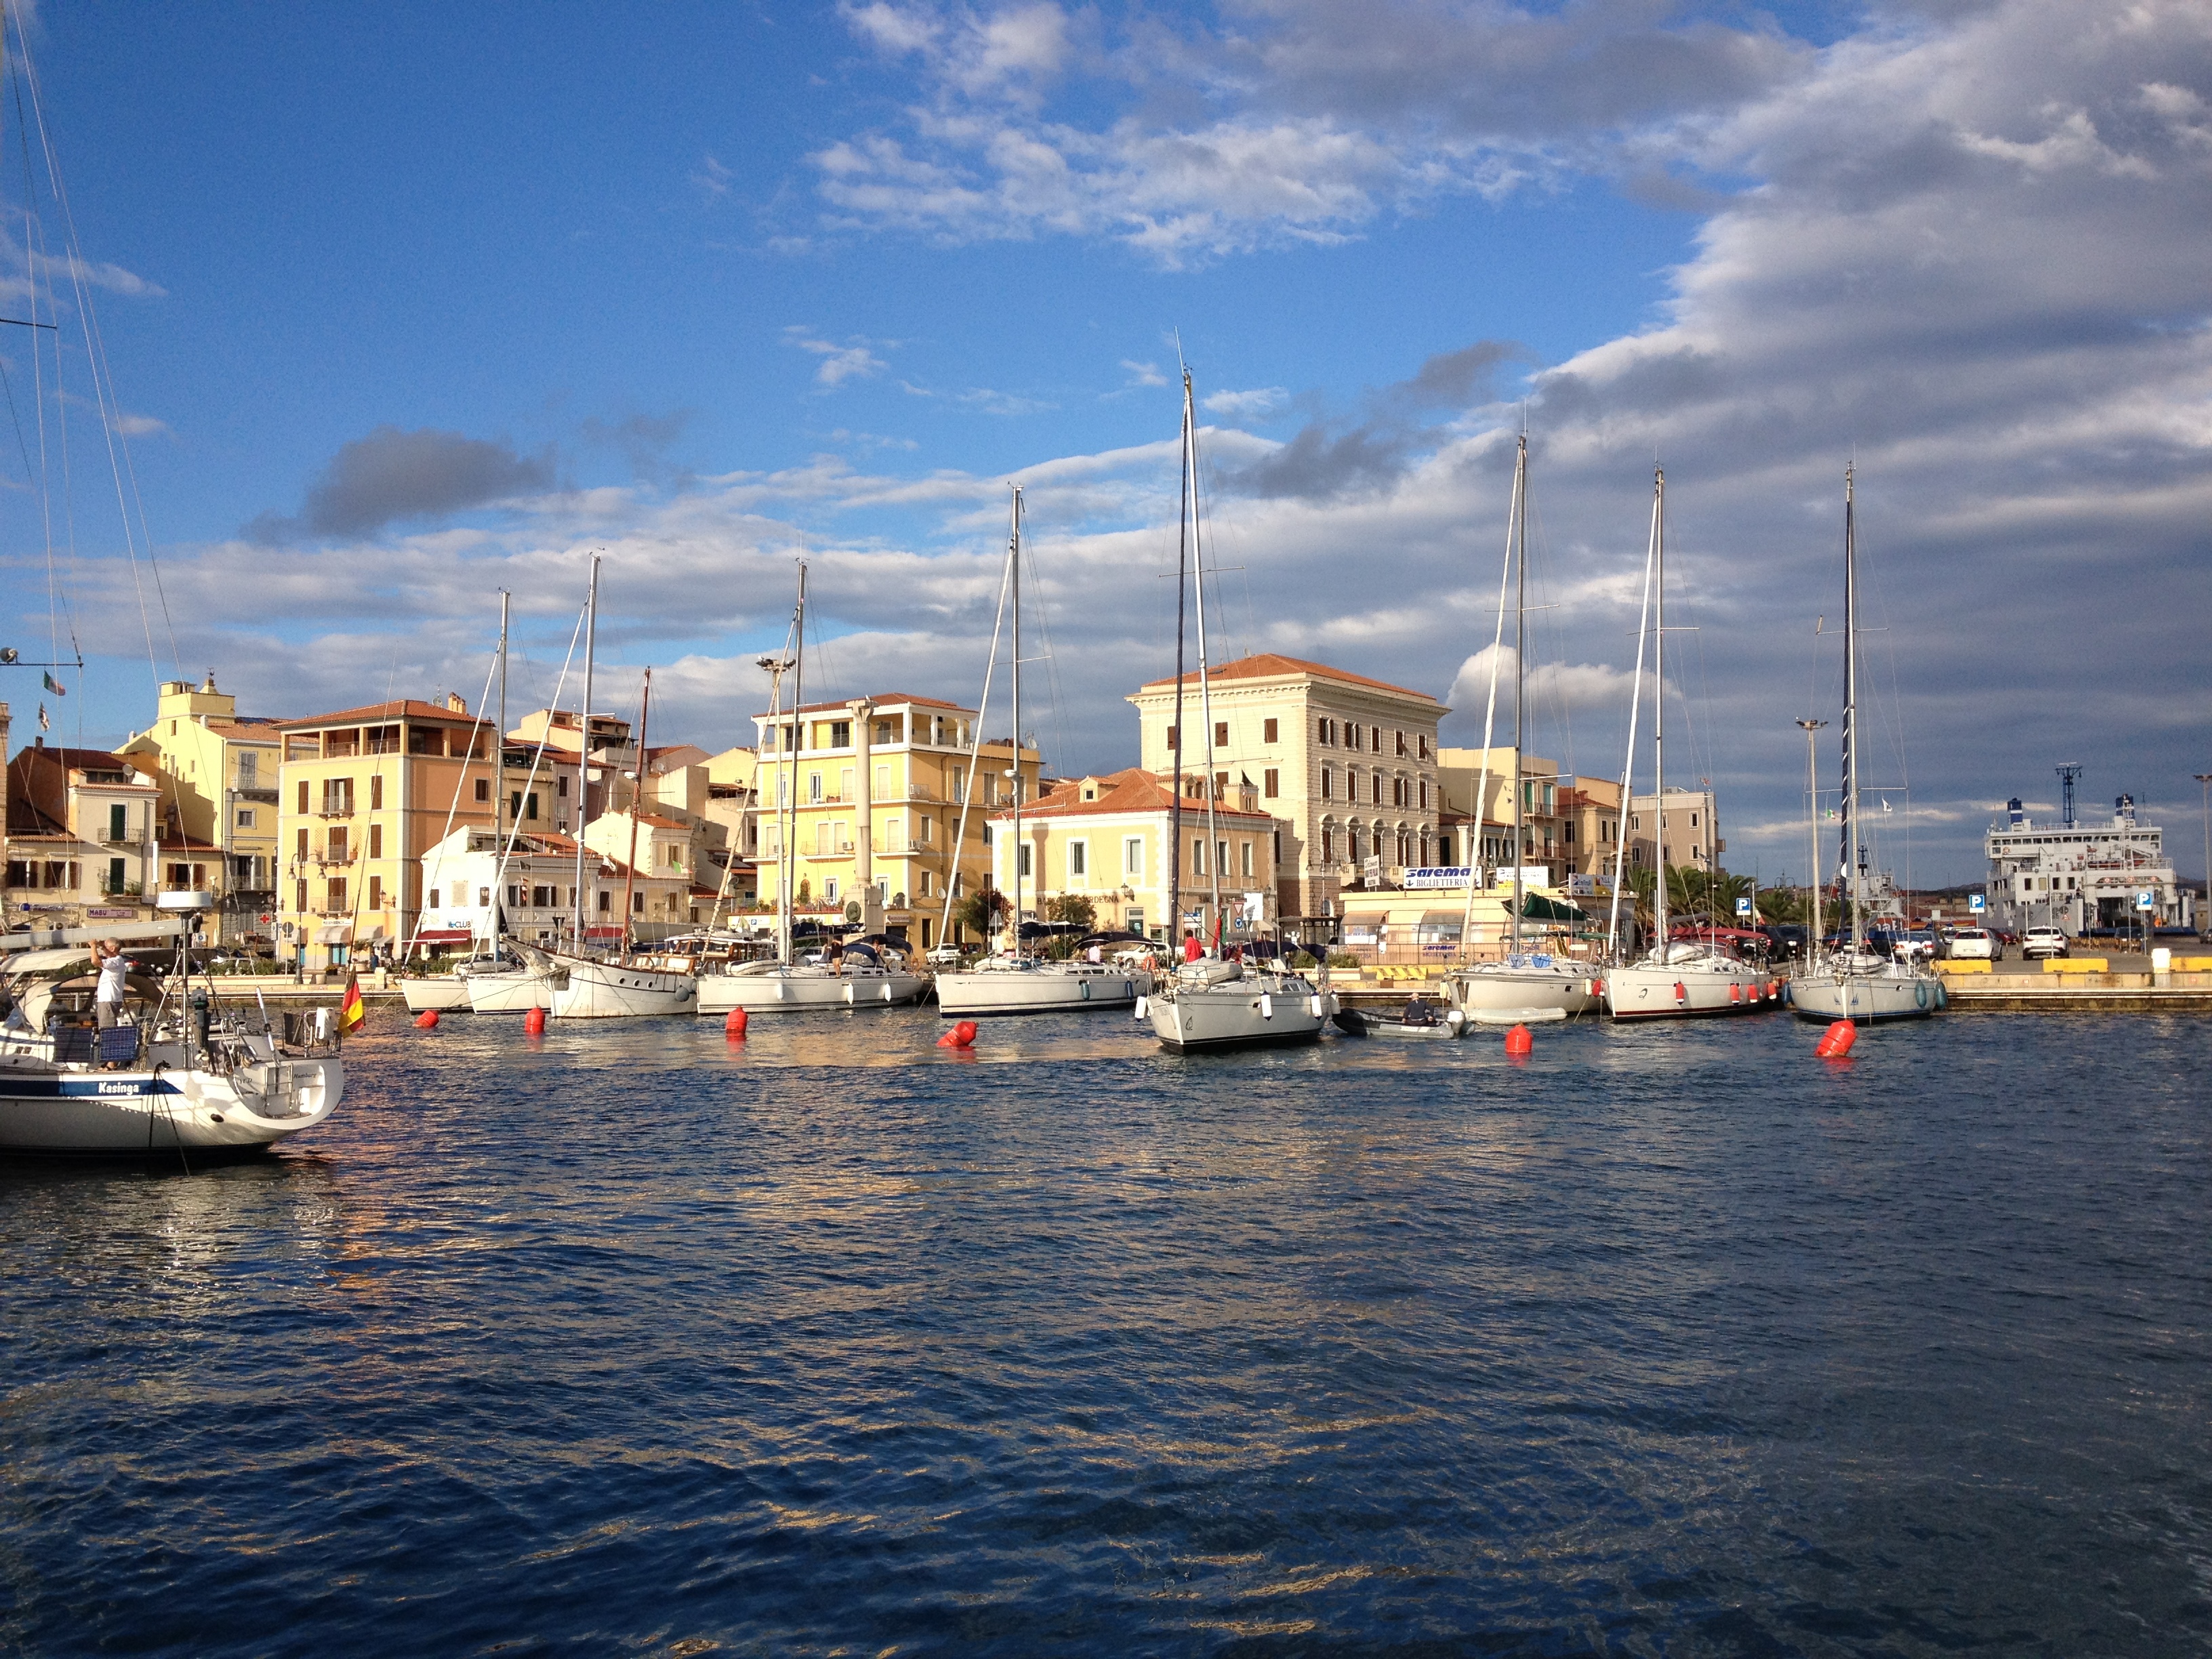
1267 1005
887 990
848 994
1144 1006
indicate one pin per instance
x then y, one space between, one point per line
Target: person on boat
1418 1011
1096 954
1192 950
107 998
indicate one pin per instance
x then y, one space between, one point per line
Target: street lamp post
2204 787
1813 831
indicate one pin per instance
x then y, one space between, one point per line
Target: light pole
2204 787
1813 831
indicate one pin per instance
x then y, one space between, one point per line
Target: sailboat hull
516 992
613 990
1500 987
443 994
1688 990
1051 988
1865 998
790 991
1239 1014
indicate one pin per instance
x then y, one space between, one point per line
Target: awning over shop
444 936
1540 909
334 932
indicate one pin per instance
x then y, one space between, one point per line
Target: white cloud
853 359
1245 405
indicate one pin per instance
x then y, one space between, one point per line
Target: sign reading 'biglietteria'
1434 875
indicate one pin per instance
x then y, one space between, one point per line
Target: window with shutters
376 840
1271 783
1221 734
1175 738
1268 729
376 792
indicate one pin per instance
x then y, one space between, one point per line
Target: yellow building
219 824
1106 840
83 837
362 794
1348 764
880 784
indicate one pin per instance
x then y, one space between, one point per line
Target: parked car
2043 942
1973 945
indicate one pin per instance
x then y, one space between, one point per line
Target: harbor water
634 1339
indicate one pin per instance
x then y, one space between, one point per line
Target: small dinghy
1420 1019
1514 1016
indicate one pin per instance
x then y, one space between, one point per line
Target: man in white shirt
107 999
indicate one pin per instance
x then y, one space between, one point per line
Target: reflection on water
1669 1339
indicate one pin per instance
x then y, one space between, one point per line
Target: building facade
1684 831
219 770
84 830
1346 763
363 793
880 782
1105 839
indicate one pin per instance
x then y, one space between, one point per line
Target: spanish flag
350 1012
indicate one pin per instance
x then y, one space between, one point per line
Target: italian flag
350 1012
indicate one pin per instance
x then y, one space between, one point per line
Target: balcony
842 849
327 809
903 847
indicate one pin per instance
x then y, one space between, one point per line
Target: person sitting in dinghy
1419 1011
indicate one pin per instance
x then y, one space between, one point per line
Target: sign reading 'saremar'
1441 875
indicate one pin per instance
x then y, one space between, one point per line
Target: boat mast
1182 737
1628 766
1014 768
1520 669
499 749
1659 699
1851 798
789 859
636 805
584 749
1489 729
1214 847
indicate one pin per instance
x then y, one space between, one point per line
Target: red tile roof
1268 664
400 708
1133 791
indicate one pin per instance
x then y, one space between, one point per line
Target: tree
1072 907
982 913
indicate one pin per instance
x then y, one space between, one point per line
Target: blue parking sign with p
1743 907
1976 902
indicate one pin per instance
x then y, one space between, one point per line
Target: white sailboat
1856 983
177 1073
1209 1003
856 976
1676 978
1015 981
1525 983
620 988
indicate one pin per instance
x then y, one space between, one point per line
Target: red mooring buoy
1836 1041
735 1026
533 1022
427 1020
1519 1043
962 1036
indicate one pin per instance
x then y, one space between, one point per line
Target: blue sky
402 314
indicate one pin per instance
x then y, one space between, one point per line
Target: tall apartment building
1348 765
363 793
1687 832
880 781
219 816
